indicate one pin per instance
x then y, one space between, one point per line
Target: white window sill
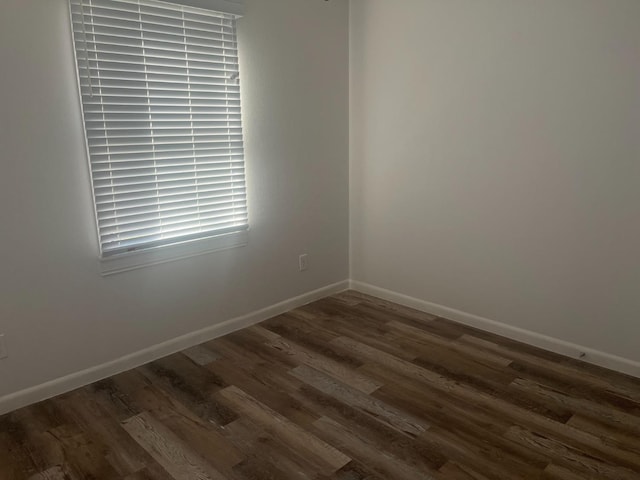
169 253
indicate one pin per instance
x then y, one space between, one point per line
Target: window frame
183 247
125 262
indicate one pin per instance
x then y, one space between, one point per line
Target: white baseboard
596 357
70 382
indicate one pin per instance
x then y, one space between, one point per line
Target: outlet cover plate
303 262
3 348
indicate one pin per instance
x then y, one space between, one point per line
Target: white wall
495 161
59 315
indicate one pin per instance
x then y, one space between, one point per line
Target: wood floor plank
353 470
326 365
21 457
350 387
491 460
385 464
271 373
255 381
453 471
206 438
288 431
561 368
53 473
516 412
312 337
410 450
554 472
569 456
426 338
586 407
295 323
207 442
262 448
9 467
168 450
200 355
84 454
268 335
382 412
143 474
434 405
173 375
387 306
450 386
113 399
495 386
574 385
610 435
123 455
465 421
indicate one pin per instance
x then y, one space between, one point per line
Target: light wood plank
382 412
168 450
200 355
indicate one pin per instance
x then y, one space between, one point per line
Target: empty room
320 239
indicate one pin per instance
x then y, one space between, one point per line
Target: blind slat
153 189
108 212
113 73
155 56
156 152
167 238
169 220
160 123
139 77
129 174
134 200
114 164
174 228
122 166
96 43
132 10
163 181
108 216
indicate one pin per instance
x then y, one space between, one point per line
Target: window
160 93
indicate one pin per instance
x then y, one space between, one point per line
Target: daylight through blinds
161 101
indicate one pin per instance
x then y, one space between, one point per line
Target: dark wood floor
350 387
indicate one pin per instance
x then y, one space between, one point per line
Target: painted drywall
58 314
495 161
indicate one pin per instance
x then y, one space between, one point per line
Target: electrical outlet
304 261
3 348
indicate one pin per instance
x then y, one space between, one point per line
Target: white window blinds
161 103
